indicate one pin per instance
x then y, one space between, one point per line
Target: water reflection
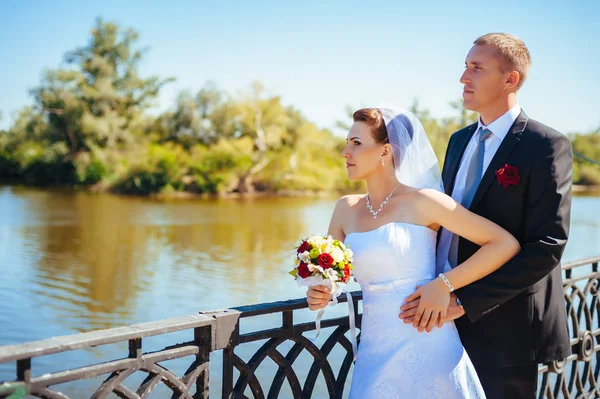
102 261
93 263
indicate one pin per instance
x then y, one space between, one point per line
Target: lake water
76 261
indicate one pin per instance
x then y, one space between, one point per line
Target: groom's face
483 79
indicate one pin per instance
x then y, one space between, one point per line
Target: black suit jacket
516 315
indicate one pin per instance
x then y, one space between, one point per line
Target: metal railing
219 332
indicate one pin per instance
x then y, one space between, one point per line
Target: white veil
414 160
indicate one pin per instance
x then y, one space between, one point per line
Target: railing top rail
580 262
102 337
279 306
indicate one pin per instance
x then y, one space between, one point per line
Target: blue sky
322 55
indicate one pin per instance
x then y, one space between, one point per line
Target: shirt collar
501 126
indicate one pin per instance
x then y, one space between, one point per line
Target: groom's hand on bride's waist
318 297
409 309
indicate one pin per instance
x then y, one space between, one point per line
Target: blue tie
474 175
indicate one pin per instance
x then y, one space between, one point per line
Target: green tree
262 121
189 123
586 151
94 105
96 102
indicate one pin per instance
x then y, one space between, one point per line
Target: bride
392 231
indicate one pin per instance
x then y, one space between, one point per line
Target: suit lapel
508 144
456 155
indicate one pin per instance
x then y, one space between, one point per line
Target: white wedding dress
394 360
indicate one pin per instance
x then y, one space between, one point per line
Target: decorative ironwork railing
299 366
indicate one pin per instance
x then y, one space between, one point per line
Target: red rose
303 270
305 246
508 175
346 274
325 260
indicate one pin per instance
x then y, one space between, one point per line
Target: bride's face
363 154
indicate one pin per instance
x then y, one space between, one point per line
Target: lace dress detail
395 360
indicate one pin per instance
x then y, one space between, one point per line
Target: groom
517 173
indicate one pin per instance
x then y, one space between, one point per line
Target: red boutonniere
508 175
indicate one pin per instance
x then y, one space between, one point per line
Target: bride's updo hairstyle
374 118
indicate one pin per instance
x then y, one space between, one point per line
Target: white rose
304 257
337 254
348 252
312 268
316 241
328 248
331 274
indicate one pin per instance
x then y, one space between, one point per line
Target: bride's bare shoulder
345 205
350 200
342 213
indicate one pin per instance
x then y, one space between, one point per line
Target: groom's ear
513 79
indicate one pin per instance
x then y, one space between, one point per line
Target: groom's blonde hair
513 53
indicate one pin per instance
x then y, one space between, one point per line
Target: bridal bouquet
324 261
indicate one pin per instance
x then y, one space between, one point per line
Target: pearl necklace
375 213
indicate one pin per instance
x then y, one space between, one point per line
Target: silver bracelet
450 287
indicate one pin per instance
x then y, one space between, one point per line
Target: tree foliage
89 125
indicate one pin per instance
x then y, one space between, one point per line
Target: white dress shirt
499 129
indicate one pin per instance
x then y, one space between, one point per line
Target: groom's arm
547 229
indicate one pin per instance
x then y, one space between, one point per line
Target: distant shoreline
255 194
577 188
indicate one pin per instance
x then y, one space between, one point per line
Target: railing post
228 331
203 338
135 348
226 336
24 370
227 389
287 320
